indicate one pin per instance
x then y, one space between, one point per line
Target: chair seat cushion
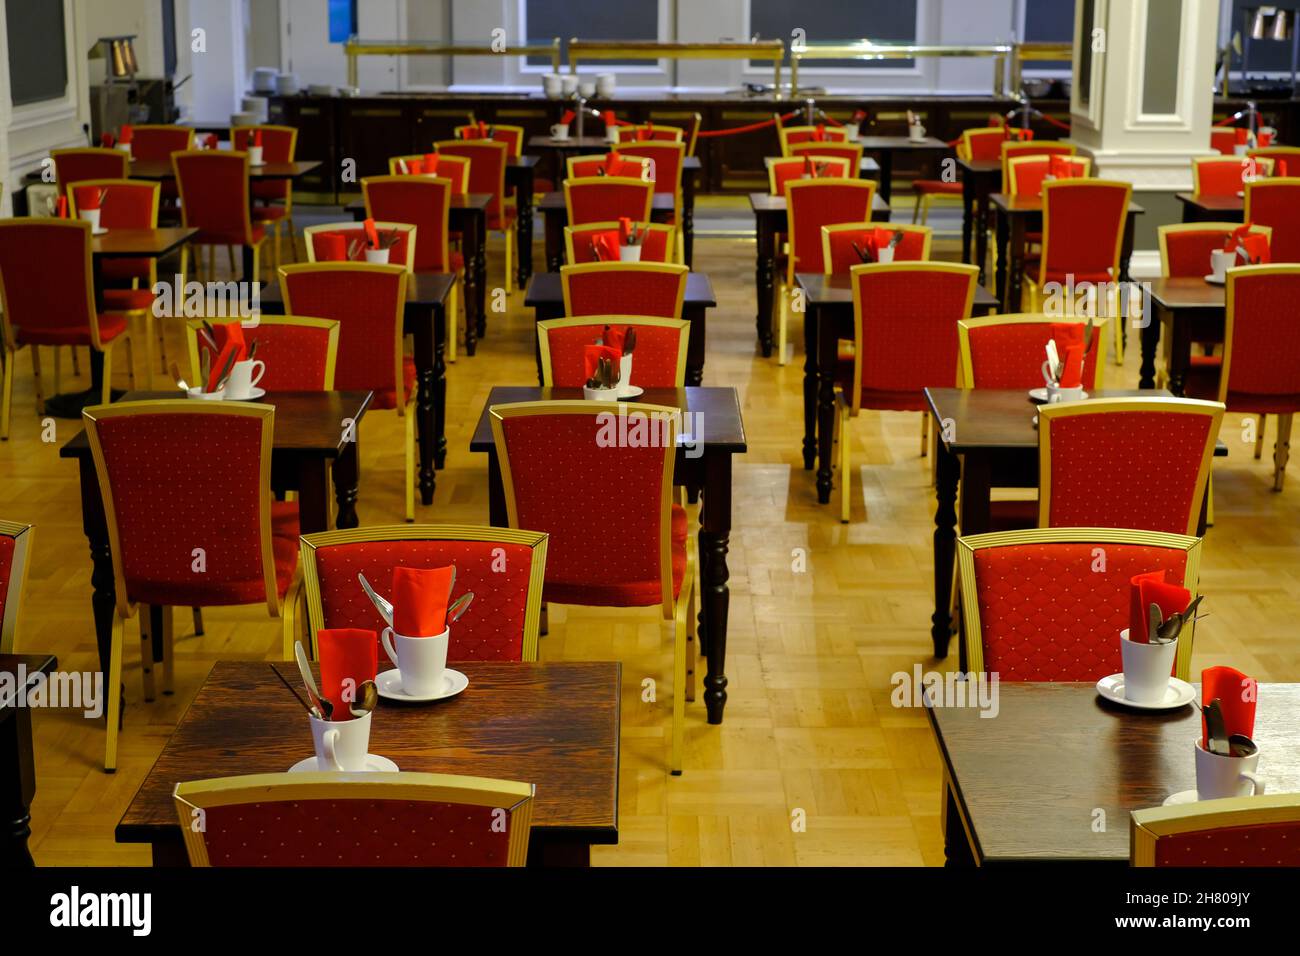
124 270
269 189
387 397
201 593
1202 379
111 325
937 186
884 400
627 594
284 519
268 213
128 300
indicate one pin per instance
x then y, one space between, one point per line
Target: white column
219 80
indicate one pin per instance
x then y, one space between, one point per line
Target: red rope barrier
735 130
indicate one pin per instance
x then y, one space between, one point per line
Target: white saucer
374 763
633 391
1040 395
389 684
253 395
1180 798
100 231
1179 693
1213 281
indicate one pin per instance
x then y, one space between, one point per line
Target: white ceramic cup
551 85
625 376
587 89
421 661
1218 776
1146 666
377 256
568 83
125 147
605 84
600 394
629 253
916 132
244 377
197 392
885 254
255 155
611 134
91 216
341 744
1056 393
1240 149
560 131
1220 262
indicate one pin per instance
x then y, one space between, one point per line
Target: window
834 21
544 20
1049 21
343 20
38 55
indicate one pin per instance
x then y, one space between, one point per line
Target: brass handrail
354 48
1037 51
870 50
653 50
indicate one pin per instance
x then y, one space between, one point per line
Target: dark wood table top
718 408
554 202
824 290
1214 203
160 169
1186 293
980 166
545 288
985 418
900 142
423 290
764 202
1031 780
30 664
471 201
555 725
1025 204
304 421
140 243
573 142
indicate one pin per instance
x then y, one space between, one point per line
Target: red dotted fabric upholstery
610 164
496 571
1084 221
127 205
1126 469
821 204
1264 366
654 363
6 571
127 300
1045 615
422 201
624 291
1029 177
909 335
985 145
654 244
637 133
277 147
1012 355
1028 149
1265 844
784 170
295 355
1220 177
355 833
45 268
159 466
846 151
667 168
1223 140
398 254
795 136
215 186
159 143
607 554
938 186
843 258
607 202
1188 253
487 174
368 308
1278 205
90 164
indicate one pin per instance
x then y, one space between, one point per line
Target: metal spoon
1239 745
459 607
367 698
1215 730
451 586
304 668
384 607
176 376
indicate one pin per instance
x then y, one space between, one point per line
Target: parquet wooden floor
810 734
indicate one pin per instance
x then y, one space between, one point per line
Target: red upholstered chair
1226 175
455 168
905 317
156 143
300 353
1238 831
793 135
503 567
512 136
659 360
656 246
487 174
607 198
155 460
15 550
355 820
847 151
629 549
402 253
1223 140
1125 463
1276 203
75 165
215 199
1285 159
1007 351
666 160
628 167
1012 150
983 143
650 132
47 290
272 198
1026 174
811 204
782 169
369 302
838 255
626 288
1036 607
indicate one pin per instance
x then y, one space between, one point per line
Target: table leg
313 494
981 227
811 322
715 597
480 272
69 405
827 356
426 345
1015 259
886 160
346 475
1180 354
439 399
474 302
497 515
103 599
554 240
17 787
694 345
956 848
524 227
947 470
1002 242
688 218
764 277
1150 342
967 217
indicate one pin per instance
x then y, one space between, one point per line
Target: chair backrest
74 165
1234 832
1276 203
1008 351
300 352
355 820
214 194
1011 149
1026 174
1226 175
1036 607
15 552
610 164
512 136
624 288
782 169
487 167
421 201
984 143
46 280
368 301
650 132
1223 140
1083 229
321 248
792 135
1260 362
656 246
158 142
455 168
665 164
905 317
606 198
538 444
1185 247
847 151
813 203
838 239
503 567
1285 159
1137 463
659 360
128 203
279 143
155 460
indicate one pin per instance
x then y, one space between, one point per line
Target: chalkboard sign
828 21
590 20
38 60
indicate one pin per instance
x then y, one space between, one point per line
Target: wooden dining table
17 761
707 472
1186 310
556 210
883 148
546 297
554 725
1055 776
425 320
980 179
770 218
160 170
1199 208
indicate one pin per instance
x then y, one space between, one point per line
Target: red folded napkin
608 118
372 236
567 118
1062 167
859 115
592 354
1152 588
413 166
1236 694
230 339
616 336
624 229
1072 370
211 140
1263 139
646 132
430 164
482 129
877 239
349 656
331 247
606 245
126 134
1280 168
1065 334
107 141
420 600
257 137
87 197
61 207
1242 135
1255 244
819 134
